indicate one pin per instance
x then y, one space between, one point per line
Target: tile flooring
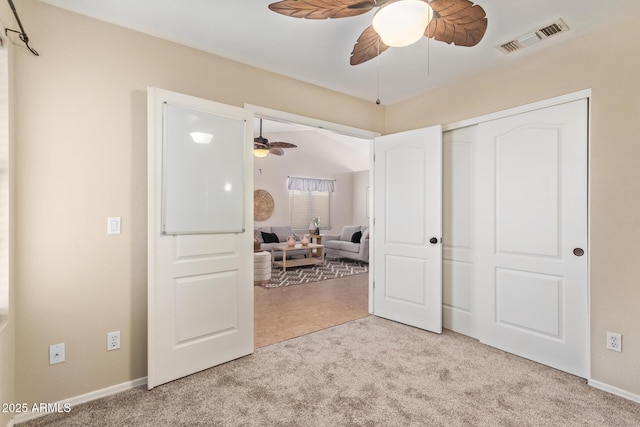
291 311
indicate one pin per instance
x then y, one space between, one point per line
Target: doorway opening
322 152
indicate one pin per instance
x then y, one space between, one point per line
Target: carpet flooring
367 372
333 268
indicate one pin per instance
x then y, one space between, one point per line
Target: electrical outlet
113 340
614 341
56 353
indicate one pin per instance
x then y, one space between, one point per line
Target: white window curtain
309 199
311 184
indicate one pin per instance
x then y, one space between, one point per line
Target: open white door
408 228
200 263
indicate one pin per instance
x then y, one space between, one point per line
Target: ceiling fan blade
457 21
368 46
282 145
368 4
318 9
276 150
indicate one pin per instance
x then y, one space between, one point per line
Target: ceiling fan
262 147
458 22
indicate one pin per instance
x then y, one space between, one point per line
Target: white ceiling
350 152
317 51
328 148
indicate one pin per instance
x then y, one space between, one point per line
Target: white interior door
459 222
408 228
531 238
200 263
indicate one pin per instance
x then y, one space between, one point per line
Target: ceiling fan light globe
402 22
260 152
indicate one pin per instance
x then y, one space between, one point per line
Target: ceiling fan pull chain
378 73
428 45
428 55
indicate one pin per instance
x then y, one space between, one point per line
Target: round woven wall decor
262 205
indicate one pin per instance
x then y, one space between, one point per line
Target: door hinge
374 284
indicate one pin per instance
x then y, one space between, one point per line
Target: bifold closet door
530 235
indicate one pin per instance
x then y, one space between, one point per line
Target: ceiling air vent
534 36
550 30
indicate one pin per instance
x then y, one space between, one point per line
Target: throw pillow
356 237
347 232
282 231
270 237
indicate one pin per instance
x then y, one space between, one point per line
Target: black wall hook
21 34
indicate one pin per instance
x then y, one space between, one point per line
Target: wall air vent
534 36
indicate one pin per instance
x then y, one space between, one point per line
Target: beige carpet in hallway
367 372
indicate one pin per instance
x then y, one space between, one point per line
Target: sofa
279 232
352 243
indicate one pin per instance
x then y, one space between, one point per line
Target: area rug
332 269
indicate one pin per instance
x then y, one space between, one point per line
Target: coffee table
314 255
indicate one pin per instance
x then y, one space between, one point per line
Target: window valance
310 184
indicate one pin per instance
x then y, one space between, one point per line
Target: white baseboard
83 398
614 390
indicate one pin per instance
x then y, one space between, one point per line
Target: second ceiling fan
262 147
458 22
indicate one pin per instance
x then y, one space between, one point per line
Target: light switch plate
113 225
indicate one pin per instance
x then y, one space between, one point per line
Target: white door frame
574 96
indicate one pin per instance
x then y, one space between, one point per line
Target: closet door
531 235
458 285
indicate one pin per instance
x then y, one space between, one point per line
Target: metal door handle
578 251
433 240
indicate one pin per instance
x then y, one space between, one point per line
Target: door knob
578 251
433 240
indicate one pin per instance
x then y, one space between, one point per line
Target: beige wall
80 157
7 323
7 359
6 367
608 63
